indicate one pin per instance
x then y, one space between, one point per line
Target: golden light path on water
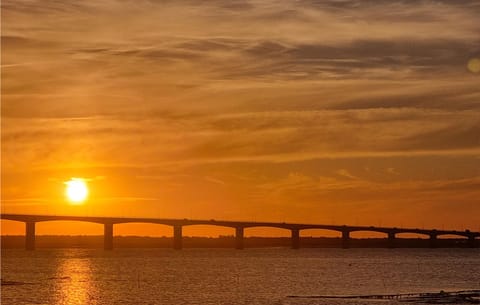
73 280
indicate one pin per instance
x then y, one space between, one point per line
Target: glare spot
474 65
76 190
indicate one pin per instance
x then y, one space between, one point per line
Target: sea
227 276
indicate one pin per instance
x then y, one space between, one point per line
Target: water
227 276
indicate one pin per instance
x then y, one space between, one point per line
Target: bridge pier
345 239
391 240
239 238
433 240
177 237
30 235
108 236
295 239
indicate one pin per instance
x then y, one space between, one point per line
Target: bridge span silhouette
239 226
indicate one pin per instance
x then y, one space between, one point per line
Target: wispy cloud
189 95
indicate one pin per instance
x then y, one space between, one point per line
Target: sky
342 111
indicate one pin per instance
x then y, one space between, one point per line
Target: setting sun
76 190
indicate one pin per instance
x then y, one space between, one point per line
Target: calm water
224 276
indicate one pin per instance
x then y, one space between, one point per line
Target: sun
76 190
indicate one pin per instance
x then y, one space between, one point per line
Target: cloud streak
148 88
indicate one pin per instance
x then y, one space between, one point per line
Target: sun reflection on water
74 282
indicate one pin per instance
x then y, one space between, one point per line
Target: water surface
227 276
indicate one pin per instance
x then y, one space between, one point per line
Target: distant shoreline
96 241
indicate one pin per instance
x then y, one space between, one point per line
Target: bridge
239 226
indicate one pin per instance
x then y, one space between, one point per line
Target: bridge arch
12 227
453 235
68 227
142 229
210 235
412 234
268 236
266 231
320 237
208 230
320 232
368 233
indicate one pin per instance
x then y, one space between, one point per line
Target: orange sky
343 112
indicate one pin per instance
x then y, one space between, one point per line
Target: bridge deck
235 224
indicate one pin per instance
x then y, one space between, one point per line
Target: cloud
345 173
270 92
282 135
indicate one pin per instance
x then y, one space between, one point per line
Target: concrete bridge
239 226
